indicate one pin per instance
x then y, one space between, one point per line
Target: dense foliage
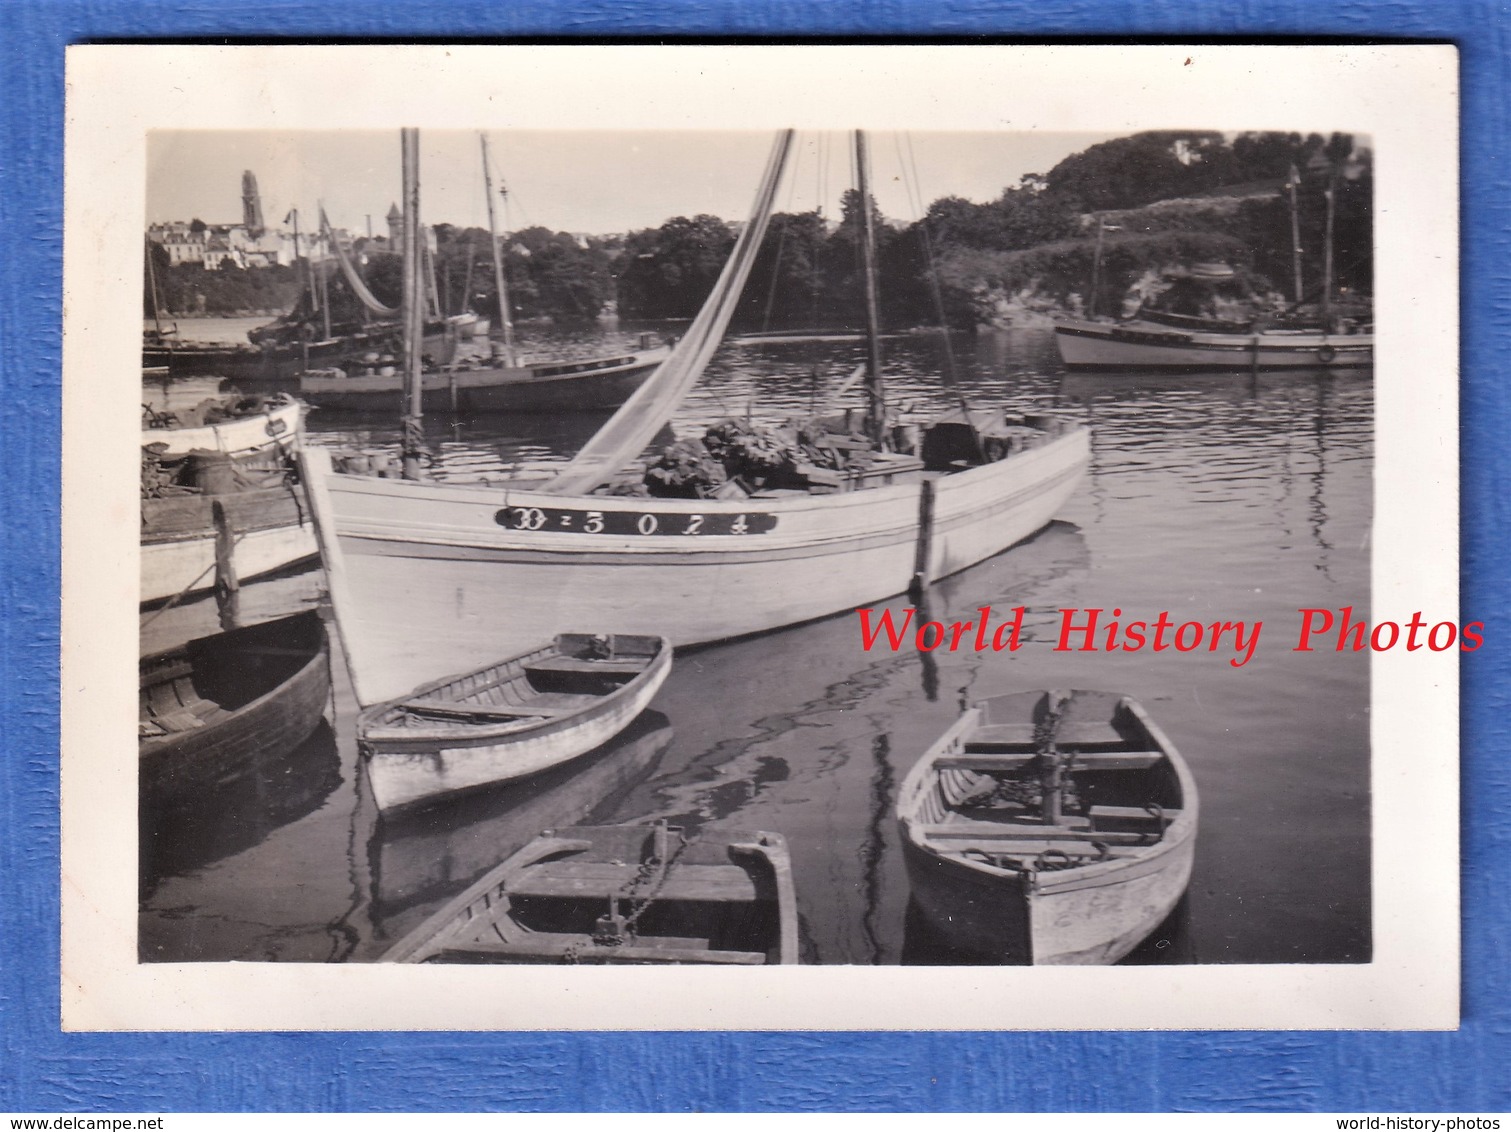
1156 201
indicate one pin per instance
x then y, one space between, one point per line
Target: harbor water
1212 498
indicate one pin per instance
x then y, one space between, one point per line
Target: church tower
251 205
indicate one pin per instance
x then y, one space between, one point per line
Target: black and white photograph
956 543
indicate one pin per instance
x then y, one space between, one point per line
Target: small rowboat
512 718
622 894
211 708
1049 828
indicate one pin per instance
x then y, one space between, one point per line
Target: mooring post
227 587
925 545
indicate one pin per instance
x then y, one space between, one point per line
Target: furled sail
630 429
353 280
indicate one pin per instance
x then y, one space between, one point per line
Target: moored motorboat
1149 346
209 708
541 708
644 894
1049 828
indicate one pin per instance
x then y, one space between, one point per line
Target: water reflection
277 787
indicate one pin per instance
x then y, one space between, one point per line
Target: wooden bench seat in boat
1084 760
1081 736
493 711
998 832
630 666
1029 849
543 945
720 883
1133 819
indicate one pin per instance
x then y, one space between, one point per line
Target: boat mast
413 306
298 260
1096 270
325 282
1293 186
1327 246
506 325
876 408
157 312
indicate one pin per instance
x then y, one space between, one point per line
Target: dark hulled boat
209 708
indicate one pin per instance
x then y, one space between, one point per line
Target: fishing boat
233 425
510 719
480 387
276 366
210 708
1049 828
211 518
505 383
622 894
1144 345
430 577
261 531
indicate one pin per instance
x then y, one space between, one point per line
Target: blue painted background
42 1069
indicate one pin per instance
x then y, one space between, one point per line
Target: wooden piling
227 586
925 544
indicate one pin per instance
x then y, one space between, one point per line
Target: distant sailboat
506 385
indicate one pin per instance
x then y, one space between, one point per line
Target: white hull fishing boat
1049 828
510 719
219 503
435 576
274 421
429 578
1148 346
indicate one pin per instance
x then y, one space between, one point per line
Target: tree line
1160 198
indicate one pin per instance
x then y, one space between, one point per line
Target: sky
593 182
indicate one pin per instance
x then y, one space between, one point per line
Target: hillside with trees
1157 202
1162 199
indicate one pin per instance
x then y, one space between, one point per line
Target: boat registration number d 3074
634 522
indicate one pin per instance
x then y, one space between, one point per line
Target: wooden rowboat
622 894
510 719
1049 828
421 858
210 708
